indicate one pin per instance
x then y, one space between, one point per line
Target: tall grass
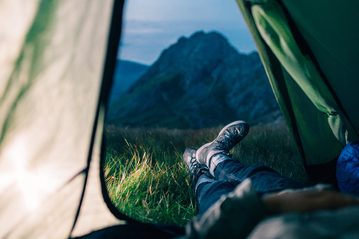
148 181
149 185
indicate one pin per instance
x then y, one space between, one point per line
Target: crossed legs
220 173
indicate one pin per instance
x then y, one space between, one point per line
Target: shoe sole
221 132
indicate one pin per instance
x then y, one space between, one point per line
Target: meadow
148 181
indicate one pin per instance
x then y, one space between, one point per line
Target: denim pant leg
264 179
208 192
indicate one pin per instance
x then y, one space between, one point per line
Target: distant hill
200 81
126 74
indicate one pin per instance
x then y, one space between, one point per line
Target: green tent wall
309 51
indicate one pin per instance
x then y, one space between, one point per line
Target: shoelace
196 169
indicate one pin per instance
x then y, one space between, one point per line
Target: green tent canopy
309 50
57 62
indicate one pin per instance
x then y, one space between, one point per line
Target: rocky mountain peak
199 81
194 54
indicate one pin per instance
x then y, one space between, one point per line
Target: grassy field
148 181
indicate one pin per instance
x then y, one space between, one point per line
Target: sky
150 26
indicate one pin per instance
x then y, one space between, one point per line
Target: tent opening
181 75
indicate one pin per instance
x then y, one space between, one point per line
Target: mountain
126 74
200 81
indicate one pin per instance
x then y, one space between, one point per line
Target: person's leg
208 191
264 179
215 155
206 188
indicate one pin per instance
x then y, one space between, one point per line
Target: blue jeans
229 173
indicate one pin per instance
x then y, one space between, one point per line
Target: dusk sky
152 25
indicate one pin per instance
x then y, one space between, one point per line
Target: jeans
229 173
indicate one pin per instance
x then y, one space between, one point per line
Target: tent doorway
198 77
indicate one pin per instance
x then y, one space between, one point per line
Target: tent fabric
332 38
52 57
273 27
94 214
319 114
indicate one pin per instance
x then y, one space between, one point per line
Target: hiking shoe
229 136
195 168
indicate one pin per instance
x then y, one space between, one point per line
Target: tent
57 60
308 49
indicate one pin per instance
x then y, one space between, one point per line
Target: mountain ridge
199 81
126 74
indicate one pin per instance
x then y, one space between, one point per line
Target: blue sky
152 25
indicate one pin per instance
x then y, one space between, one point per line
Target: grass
148 181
